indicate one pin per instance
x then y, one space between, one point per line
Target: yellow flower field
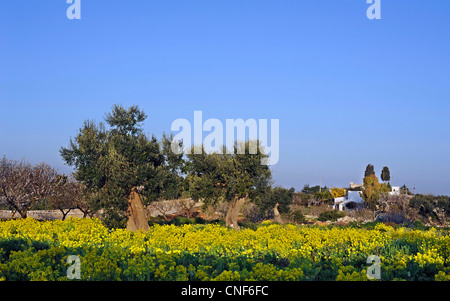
33 250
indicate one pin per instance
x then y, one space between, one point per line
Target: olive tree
112 162
231 178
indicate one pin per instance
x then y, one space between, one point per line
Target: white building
355 197
352 197
395 190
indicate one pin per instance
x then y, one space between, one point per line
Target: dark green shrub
248 225
418 225
13 244
158 221
179 220
331 215
218 221
298 217
200 220
29 264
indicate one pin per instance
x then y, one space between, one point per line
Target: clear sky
347 90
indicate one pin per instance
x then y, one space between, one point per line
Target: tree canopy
231 178
111 162
373 190
385 174
370 170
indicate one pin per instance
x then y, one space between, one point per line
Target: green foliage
331 215
13 245
385 174
373 191
316 195
284 197
200 220
112 162
248 225
312 190
179 221
428 205
323 196
370 170
350 273
405 190
298 217
214 177
35 265
419 225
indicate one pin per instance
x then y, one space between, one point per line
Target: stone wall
42 214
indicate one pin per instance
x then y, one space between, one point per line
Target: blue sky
347 90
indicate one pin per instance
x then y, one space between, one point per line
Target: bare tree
163 207
12 180
23 185
69 195
83 203
187 206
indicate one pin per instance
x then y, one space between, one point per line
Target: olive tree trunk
277 214
231 219
23 213
136 213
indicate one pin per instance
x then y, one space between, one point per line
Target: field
33 250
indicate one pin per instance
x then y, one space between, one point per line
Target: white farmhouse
355 197
395 190
352 197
